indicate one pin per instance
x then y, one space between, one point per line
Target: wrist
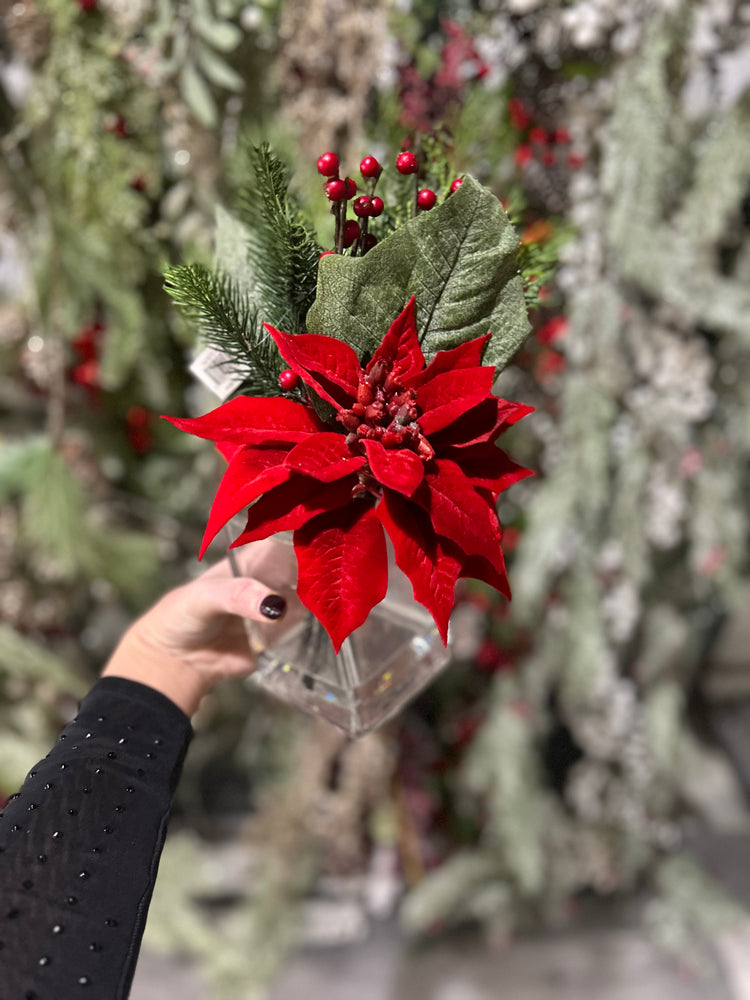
136 660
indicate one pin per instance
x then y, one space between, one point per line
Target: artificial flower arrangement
365 407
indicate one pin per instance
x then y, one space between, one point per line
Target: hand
194 636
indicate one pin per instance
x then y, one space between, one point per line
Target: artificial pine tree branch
283 251
228 321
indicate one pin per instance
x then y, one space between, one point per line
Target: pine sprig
283 251
230 321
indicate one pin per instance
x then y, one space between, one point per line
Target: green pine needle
283 251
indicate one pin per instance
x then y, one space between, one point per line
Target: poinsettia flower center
384 411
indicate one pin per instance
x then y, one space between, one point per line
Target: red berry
362 206
288 380
117 125
519 115
523 155
137 417
351 188
376 207
328 164
576 160
87 5
538 136
561 136
351 232
456 184
407 163
335 190
426 199
369 242
369 167
548 157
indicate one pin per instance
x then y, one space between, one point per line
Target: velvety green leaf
458 260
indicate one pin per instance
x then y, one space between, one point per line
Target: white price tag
216 371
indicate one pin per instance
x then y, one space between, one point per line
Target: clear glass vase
380 667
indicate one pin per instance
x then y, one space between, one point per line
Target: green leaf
222 35
460 262
198 96
218 71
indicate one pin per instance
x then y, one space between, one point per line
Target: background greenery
561 754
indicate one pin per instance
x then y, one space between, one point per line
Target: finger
209 596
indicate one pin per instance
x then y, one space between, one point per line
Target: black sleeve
80 846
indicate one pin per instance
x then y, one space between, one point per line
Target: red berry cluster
349 232
547 146
354 234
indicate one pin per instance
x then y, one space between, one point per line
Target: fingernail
273 606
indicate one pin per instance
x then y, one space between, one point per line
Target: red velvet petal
458 512
397 468
325 457
292 504
477 568
228 450
343 568
400 348
449 396
486 466
252 420
251 472
466 355
424 557
328 365
484 423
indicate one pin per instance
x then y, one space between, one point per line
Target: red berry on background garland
328 164
289 380
523 155
335 190
538 136
362 206
87 5
369 242
138 420
456 184
519 115
351 232
426 199
116 124
407 163
576 160
369 167
376 207
561 136
351 188
548 157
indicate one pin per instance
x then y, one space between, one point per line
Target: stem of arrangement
340 223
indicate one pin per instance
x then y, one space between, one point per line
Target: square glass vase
381 666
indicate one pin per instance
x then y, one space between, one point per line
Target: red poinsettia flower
411 450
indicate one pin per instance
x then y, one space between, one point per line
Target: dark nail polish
273 606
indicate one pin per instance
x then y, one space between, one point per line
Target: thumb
205 598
